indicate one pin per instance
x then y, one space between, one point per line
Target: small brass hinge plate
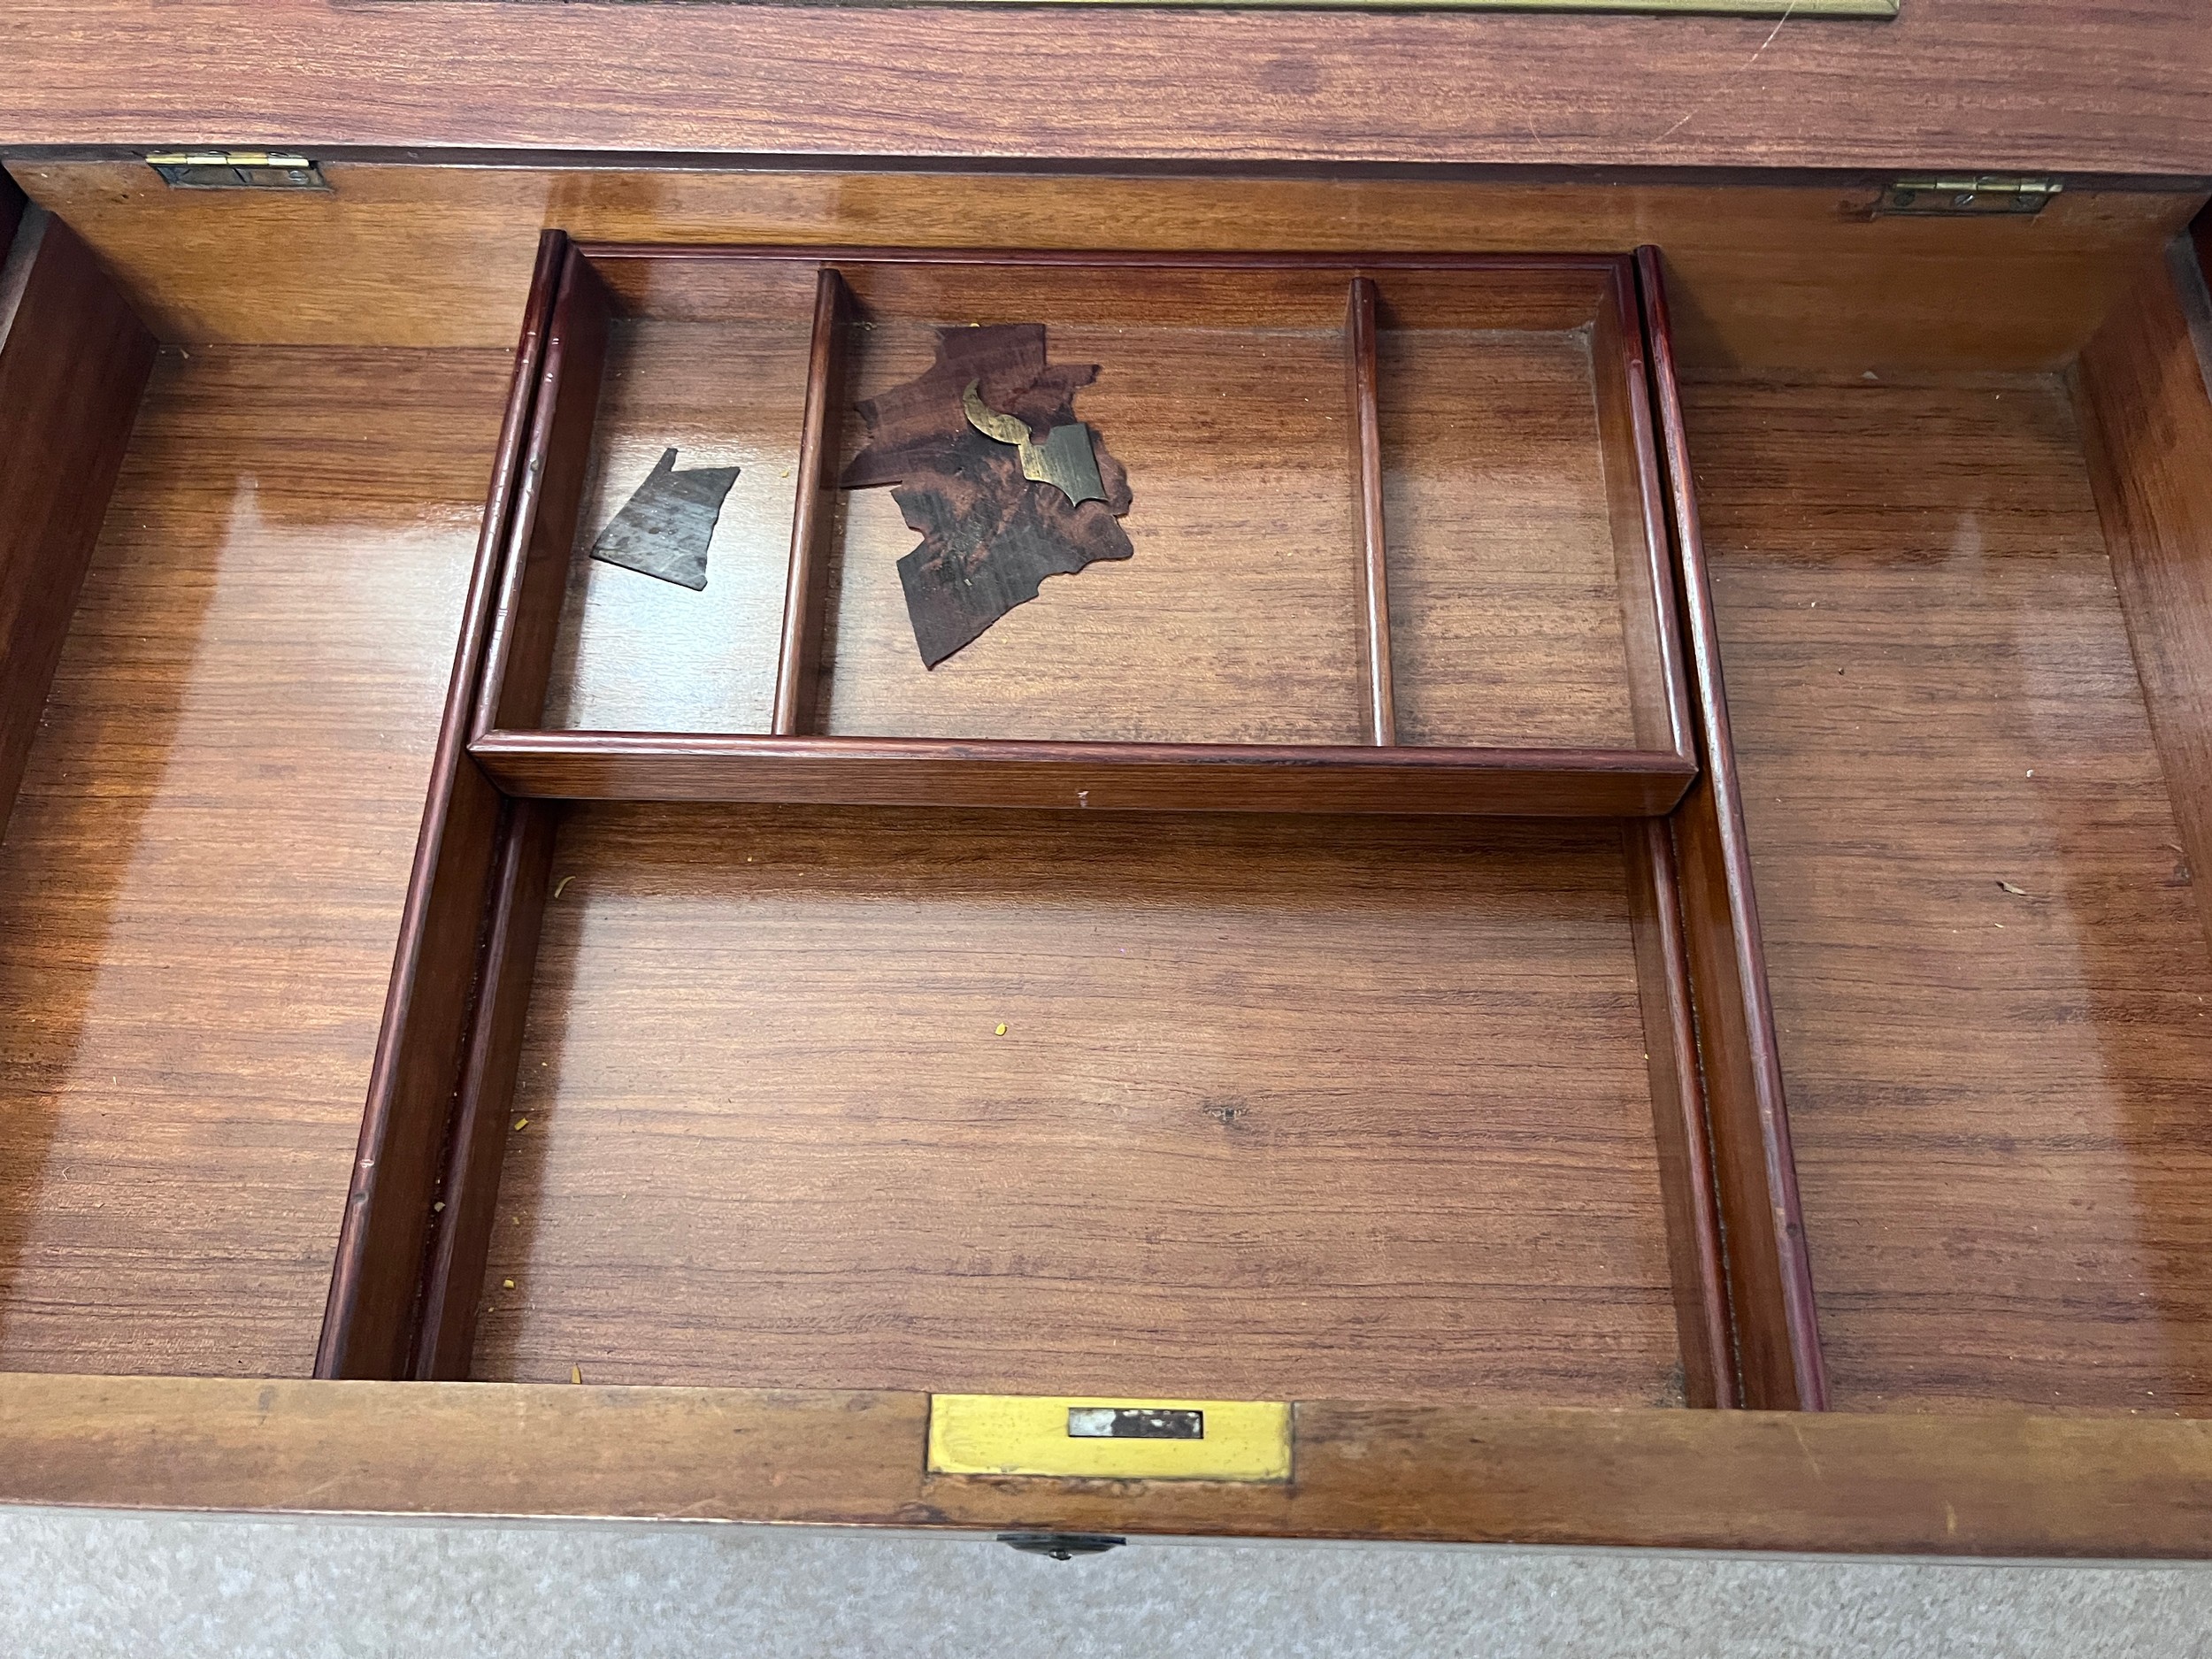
1081 1437
1968 195
236 169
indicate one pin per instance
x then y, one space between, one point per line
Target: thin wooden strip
806 588
461 1230
1362 370
2000 1484
74 363
1678 1102
1166 777
533 578
368 1317
1769 1278
1660 621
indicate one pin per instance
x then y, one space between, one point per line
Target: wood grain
418 1070
2142 395
460 1227
1679 1122
1990 982
536 561
73 363
1238 619
1102 776
201 882
1765 277
814 511
1275 1110
2010 1485
1362 373
2070 86
638 655
1506 620
1776 1320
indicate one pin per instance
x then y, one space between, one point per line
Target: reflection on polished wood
1280 1108
1998 1097
200 884
2066 86
1763 277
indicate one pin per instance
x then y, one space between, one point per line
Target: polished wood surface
73 363
2070 86
1363 376
2142 395
1276 1109
422 1046
1768 277
461 1217
1990 982
1249 615
1238 620
1777 1322
1679 1122
637 655
201 885
1999 1485
1561 783
815 510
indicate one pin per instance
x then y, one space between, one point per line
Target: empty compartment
202 876
1530 598
1989 965
1025 1102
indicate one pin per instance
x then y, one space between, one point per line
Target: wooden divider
1361 348
1769 1279
369 1321
798 663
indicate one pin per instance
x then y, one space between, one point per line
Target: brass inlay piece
1065 459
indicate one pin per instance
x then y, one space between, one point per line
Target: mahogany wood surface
1116 777
1772 277
1778 1344
421 1048
1279 1108
815 510
635 654
1362 372
200 886
2142 395
73 363
536 554
1993 1484
1991 984
1684 1133
1242 619
2070 86
461 1216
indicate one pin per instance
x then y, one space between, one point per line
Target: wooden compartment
1298 435
1040 1103
1511 1032
207 854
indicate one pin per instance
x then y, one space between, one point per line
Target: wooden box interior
1301 1107
1518 558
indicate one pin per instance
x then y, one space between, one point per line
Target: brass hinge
236 169
1969 194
